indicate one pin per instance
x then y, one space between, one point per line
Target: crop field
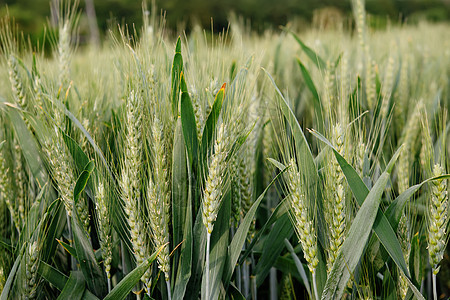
284 165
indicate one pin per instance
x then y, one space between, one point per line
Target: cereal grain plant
306 164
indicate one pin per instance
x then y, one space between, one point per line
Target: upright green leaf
185 264
177 69
189 127
219 243
179 185
92 272
317 103
12 274
198 257
211 122
83 179
55 220
181 214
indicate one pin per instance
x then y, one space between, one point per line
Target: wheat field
282 165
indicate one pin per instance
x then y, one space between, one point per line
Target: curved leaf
355 242
92 272
124 287
310 84
313 56
273 246
299 266
74 287
235 247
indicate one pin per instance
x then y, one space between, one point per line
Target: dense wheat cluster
286 165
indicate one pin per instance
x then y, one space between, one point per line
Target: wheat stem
208 242
316 294
435 297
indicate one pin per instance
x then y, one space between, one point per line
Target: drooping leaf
307 169
304 155
286 265
79 157
394 211
68 248
91 141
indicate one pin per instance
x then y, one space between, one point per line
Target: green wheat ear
438 219
336 202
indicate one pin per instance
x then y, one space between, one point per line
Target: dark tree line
31 15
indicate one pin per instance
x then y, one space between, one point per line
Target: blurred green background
32 15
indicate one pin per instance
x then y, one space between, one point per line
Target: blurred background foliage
32 15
